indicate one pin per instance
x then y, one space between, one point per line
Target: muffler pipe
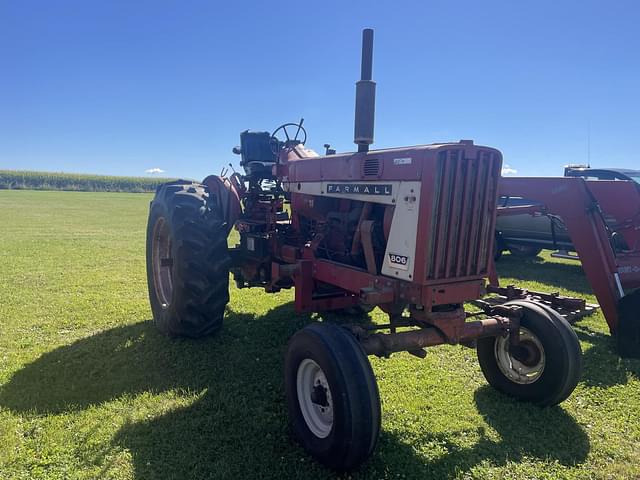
365 96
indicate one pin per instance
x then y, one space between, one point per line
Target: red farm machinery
409 230
602 219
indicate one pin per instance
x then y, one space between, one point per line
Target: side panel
400 256
399 261
378 191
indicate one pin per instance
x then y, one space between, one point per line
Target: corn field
26 180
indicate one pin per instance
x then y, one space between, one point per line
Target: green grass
89 389
27 180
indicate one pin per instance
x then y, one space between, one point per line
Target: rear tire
187 260
332 396
546 367
628 334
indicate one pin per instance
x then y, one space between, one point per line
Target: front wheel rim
523 364
314 398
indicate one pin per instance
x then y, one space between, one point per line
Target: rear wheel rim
314 398
162 262
524 364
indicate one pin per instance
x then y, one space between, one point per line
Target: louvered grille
463 215
371 167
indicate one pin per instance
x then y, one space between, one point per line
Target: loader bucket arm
573 200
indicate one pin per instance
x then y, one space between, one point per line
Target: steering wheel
276 142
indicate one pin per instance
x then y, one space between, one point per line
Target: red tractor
409 230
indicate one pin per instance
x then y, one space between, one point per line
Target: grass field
89 389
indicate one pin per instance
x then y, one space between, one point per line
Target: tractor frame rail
571 308
427 329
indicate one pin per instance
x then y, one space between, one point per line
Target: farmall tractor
409 230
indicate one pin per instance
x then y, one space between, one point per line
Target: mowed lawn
89 389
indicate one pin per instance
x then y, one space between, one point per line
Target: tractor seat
259 169
256 147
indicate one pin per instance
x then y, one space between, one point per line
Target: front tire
545 368
332 396
187 260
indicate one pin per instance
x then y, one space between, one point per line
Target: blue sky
118 87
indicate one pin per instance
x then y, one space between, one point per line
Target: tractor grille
463 215
371 167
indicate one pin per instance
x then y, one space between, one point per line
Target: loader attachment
603 221
571 308
629 325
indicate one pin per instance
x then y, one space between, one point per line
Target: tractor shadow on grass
235 425
126 360
523 431
561 275
226 419
136 358
602 365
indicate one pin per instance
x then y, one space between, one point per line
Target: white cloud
154 170
507 170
